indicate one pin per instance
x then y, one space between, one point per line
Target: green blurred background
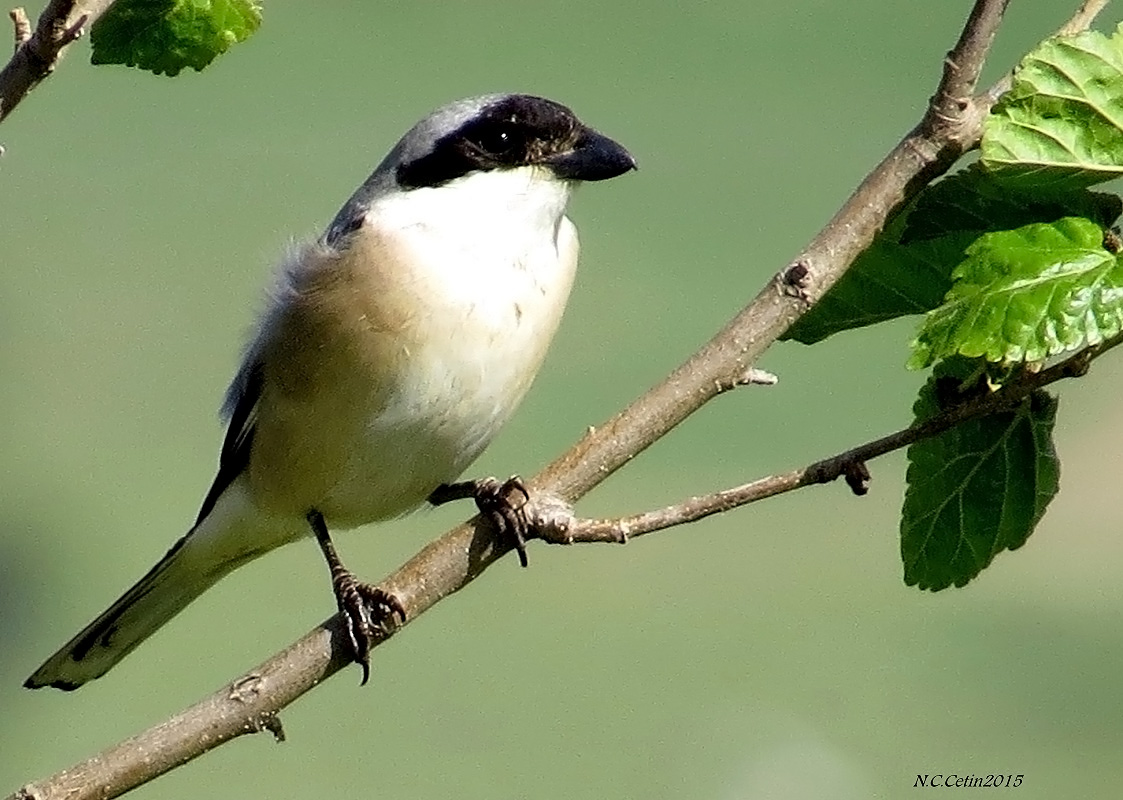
772 652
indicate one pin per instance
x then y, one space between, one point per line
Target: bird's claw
495 501
369 613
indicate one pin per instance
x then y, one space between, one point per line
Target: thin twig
964 63
556 528
22 27
37 53
451 562
1083 18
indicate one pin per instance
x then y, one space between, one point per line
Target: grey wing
241 406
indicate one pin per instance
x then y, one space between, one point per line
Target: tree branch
1083 18
964 63
37 53
951 126
557 525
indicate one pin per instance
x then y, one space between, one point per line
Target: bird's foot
371 615
368 611
502 503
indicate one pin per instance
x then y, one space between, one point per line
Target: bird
390 352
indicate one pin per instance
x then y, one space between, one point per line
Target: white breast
491 261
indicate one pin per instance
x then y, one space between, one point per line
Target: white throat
501 212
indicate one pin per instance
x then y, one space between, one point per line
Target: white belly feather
485 338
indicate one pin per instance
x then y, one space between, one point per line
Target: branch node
858 477
247 688
1079 364
22 26
550 517
75 31
269 721
795 279
54 17
757 377
750 376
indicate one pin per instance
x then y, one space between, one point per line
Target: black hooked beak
594 157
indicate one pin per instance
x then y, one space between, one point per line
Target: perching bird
391 352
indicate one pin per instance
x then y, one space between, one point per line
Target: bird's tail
227 538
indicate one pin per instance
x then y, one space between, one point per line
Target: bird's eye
499 139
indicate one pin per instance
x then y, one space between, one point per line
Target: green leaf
1061 124
1027 294
974 200
908 268
164 36
977 489
888 280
